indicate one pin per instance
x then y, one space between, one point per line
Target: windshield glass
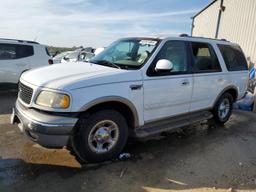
127 53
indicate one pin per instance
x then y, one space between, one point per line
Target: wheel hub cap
224 109
103 136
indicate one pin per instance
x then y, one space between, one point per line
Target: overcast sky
94 22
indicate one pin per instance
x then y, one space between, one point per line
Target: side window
12 51
176 52
205 59
24 51
7 51
233 57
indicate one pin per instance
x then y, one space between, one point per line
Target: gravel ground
201 159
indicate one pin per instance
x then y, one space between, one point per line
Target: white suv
17 56
136 86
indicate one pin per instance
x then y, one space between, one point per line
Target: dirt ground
213 159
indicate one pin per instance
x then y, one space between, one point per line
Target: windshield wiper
107 63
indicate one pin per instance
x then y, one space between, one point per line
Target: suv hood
76 75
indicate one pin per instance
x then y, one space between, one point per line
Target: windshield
127 53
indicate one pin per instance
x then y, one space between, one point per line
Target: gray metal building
234 20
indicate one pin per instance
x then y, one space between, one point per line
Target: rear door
237 67
14 59
209 80
168 93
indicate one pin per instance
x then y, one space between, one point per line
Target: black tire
81 147
226 97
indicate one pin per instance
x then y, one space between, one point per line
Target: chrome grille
25 93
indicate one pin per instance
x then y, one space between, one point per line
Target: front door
168 93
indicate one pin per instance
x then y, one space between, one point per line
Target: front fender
119 99
84 99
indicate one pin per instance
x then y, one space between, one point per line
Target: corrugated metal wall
237 24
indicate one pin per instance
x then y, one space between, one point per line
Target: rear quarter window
233 57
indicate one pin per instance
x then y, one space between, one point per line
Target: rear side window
205 59
233 57
13 51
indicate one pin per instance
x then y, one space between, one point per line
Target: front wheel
223 108
101 136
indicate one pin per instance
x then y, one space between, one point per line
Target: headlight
53 100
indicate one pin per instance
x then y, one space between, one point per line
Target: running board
172 123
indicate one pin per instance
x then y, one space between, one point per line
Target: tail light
50 61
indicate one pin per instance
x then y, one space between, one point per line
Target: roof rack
21 41
210 38
185 35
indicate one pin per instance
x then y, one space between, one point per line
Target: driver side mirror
164 65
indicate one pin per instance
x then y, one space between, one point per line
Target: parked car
72 56
99 50
58 58
76 56
17 56
137 87
84 54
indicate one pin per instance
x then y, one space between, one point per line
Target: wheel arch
231 90
123 105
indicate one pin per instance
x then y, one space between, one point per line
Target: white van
18 56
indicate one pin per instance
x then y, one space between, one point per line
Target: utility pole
222 9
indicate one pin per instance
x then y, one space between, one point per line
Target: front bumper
48 130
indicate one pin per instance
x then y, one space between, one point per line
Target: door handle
185 82
220 79
135 87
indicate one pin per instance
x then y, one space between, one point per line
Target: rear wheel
223 108
101 136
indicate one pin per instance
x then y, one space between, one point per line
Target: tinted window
205 59
12 51
176 52
233 57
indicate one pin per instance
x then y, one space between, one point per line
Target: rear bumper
48 130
